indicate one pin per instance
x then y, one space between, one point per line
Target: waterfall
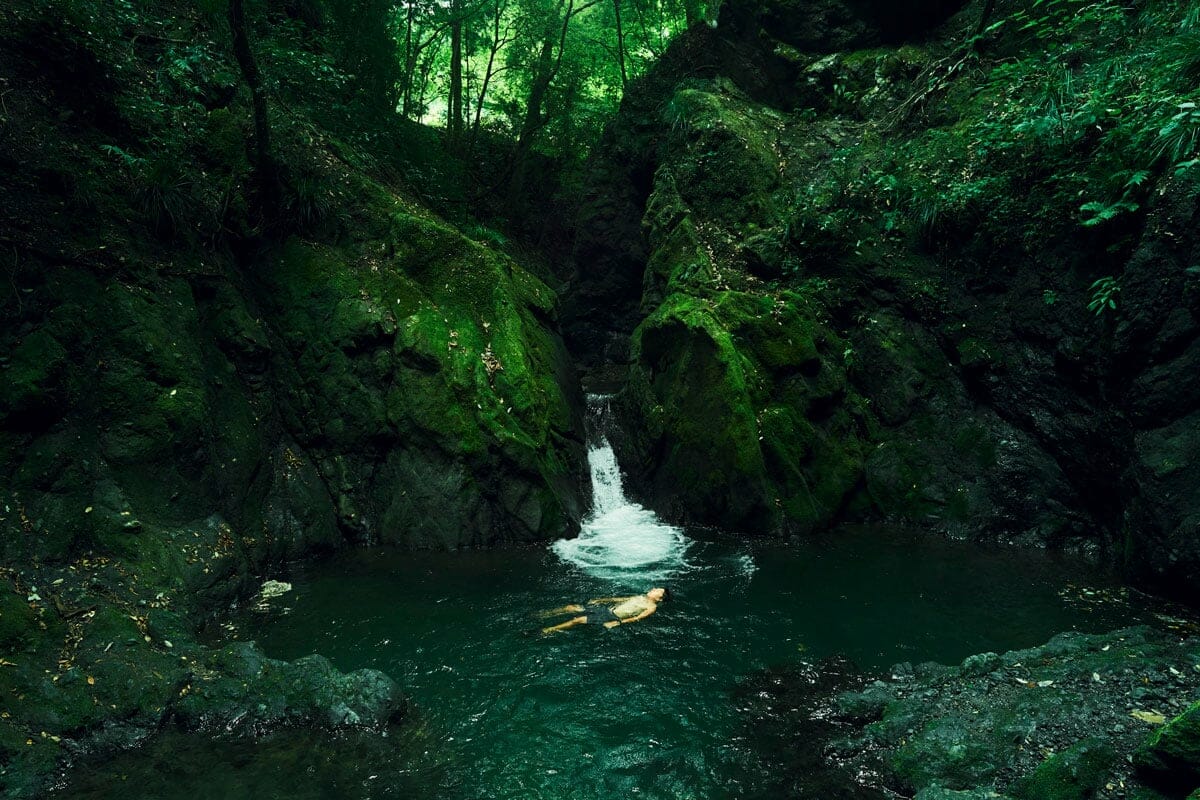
620 539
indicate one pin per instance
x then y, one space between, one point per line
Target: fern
1103 212
131 162
1177 139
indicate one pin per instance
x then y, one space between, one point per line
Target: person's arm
611 599
640 616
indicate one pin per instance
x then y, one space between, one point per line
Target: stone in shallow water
240 688
274 589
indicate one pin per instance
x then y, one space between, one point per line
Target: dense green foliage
521 66
290 274
1076 105
507 87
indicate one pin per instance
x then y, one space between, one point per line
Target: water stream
620 540
639 711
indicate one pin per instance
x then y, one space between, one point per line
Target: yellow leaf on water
91 681
1152 717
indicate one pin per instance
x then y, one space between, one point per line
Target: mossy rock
739 415
938 793
242 688
710 435
948 752
19 627
728 170
1078 773
1171 755
442 362
33 380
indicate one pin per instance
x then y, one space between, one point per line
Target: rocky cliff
194 392
942 274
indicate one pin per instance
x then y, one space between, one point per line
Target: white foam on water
746 565
621 539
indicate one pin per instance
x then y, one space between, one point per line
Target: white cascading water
620 539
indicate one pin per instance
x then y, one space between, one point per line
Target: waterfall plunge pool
646 711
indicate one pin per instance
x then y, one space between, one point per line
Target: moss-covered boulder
441 397
198 386
734 413
1058 721
238 686
1075 774
1171 755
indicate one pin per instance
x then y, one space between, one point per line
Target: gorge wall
193 393
851 277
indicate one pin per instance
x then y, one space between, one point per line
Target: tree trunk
454 123
532 123
264 165
984 17
548 64
410 62
493 50
620 44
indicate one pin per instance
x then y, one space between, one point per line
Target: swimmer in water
610 611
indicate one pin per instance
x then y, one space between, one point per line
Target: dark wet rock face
787 729
814 332
238 687
1171 757
1080 717
191 397
826 26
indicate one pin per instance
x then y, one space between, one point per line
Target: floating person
610 611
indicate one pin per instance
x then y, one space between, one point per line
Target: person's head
658 594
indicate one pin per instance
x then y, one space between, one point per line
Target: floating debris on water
269 591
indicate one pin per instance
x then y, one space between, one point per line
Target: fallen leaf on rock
1151 717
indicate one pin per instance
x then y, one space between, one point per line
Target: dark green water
641 711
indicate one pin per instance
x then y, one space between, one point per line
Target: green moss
33 376
736 392
946 753
729 170
710 428
436 342
1172 753
973 353
19 628
25 759
1077 773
